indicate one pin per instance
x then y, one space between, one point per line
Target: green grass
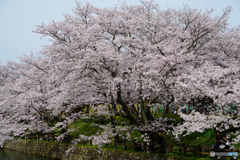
175 117
45 141
157 114
135 134
194 139
206 138
56 130
83 128
197 138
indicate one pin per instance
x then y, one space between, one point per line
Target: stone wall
57 150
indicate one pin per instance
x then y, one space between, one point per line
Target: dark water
12 155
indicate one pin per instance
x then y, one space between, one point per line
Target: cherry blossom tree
136 52
11 113
127 55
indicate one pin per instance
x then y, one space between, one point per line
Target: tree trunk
166 111
88 108
144 114
131 118
161 140
135 112
149 114
114 107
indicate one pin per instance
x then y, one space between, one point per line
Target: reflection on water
13 155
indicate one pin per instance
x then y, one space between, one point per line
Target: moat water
13 155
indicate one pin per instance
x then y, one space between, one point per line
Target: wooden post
180 149
115 146
48 138
199 151
125 144
184 150
76 128
144 147
170 147
134 144
90 141
152 147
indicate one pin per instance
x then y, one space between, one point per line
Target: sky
18 18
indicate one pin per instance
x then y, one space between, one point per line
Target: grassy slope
84 128
206 138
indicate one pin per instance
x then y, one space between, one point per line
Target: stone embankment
58 150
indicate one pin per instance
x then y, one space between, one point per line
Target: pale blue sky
19 17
